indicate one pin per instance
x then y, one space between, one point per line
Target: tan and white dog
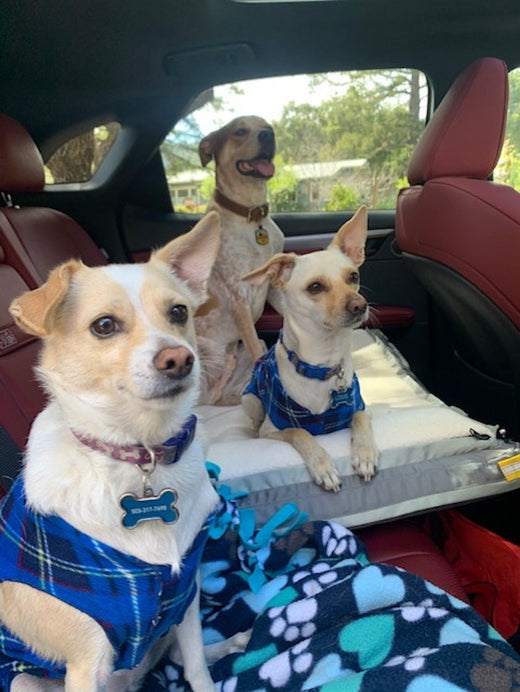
306 385
243 151
120 365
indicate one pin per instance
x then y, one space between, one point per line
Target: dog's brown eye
315 287
353 278
178 314
104 326
241 132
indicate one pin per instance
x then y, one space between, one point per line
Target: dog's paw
324 473
235 644
364 461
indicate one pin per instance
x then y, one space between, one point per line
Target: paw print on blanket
414 661
339 541
496 673
318 578
279 669
294 621
175 681
412 612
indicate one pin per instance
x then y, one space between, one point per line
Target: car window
507 170
77 160
343 138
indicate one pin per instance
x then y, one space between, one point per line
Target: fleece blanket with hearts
325 619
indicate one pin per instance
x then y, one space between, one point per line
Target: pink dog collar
167 453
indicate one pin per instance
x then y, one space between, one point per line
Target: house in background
186 188
316 180
314 183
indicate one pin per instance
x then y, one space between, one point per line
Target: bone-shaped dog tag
343 395
138 509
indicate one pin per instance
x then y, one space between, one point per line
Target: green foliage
207 186
513 116
342 197
376 118
180 149
508 168
282 188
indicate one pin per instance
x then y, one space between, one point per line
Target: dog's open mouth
260 167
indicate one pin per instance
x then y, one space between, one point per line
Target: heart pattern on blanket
427 683
373 590
456 631
370 637
326 670
328 622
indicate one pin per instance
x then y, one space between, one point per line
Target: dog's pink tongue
264 167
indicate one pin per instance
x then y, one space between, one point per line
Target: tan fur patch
89 362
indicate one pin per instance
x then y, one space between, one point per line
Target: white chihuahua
305 385
101 536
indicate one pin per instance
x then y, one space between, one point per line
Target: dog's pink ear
277 270
191 256
35 311
207 149
352 237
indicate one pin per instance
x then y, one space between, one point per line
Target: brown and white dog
120 364
243 152
306 385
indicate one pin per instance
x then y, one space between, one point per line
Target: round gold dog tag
261 236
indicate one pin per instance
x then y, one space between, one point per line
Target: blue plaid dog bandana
284 412
135 602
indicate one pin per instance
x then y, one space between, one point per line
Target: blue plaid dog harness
284 412
135 602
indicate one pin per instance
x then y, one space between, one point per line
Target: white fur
112 389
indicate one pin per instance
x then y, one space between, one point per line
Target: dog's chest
240 252
248 244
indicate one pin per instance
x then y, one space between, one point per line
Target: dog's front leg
364 451
190 644
254 410
318 462
30 683
246 327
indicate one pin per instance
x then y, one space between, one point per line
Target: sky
263 97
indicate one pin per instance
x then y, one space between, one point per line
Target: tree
180 149
342 197
283 188
373 116
78 159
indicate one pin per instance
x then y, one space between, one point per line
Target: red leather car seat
35 239
460 234
32 241
407 545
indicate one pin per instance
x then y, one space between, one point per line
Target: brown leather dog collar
255 214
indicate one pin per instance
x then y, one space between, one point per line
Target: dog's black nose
356 305
266 136
174 362
266 139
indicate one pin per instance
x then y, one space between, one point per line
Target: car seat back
460 234
32 241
